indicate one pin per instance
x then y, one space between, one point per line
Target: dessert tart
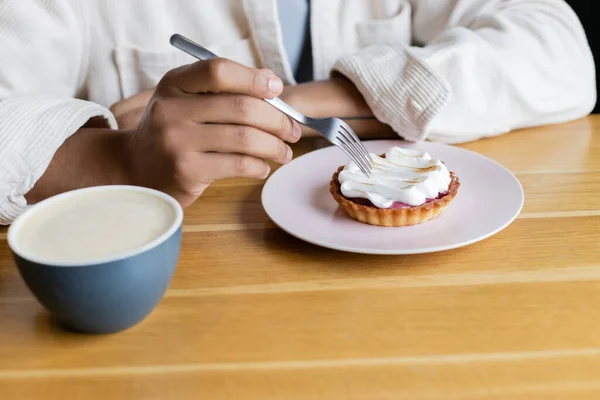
406 187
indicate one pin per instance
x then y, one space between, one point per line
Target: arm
489 69
336 97
39 77
92 156
333 97
32 129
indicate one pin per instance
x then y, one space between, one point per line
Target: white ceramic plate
296 197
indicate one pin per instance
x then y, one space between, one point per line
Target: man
446 70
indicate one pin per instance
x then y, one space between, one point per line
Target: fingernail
296 131
290 154
275 85
263 80
267 172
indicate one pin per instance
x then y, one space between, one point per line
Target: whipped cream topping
403 176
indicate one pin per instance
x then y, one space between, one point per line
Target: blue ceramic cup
106 294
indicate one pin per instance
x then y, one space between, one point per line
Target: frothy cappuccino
92 225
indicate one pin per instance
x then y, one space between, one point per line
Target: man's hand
207 121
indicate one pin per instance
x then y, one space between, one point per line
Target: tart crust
392 217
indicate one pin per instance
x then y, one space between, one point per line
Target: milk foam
94 225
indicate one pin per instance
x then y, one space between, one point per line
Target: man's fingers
228 109
239 139
246 110
195 170
223 75
216 166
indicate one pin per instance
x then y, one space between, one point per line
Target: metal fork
334 130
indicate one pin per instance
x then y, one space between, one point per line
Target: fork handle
202 53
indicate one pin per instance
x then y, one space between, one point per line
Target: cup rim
15 226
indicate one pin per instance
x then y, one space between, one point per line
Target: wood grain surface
253 313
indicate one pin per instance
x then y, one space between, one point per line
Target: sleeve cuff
32 128
401 90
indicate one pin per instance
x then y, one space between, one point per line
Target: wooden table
253 313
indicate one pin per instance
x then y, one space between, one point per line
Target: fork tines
355 149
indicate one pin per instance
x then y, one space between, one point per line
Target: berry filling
397 205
